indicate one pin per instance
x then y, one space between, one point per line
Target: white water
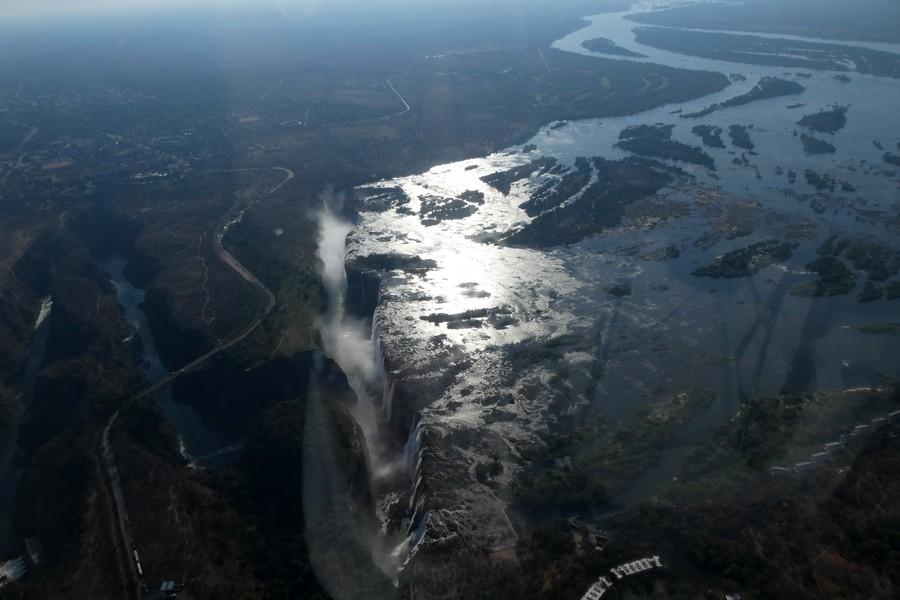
44 312
346 340
357 350
12 570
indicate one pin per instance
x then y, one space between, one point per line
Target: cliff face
177 342
301 490
87 368
342 536
362 292
193 300
53 260
18 302
24 279
232 396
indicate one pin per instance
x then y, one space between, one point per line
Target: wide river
738 338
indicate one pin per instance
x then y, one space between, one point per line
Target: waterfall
345 339
407 549
386 401
358 350
414 448
44 312
414 457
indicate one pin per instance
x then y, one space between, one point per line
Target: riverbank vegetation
584 470
656 141
833 278
554 192
619 184
710 134
869 20
756 50
830 120
745 262
813 145
727 525
607 46
740 136
768 87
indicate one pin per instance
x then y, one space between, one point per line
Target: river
740 338
197 439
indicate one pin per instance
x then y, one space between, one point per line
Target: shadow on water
197 438
732 391
818 320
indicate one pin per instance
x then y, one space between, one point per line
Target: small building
589 535
169 589
598 540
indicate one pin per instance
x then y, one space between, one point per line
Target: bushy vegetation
740 136
710 134
607 46
813 145
656 141
878 261
892 159
554 192
830 120
727 526
756 50
833 278
768 87
503 180
599 207
745 262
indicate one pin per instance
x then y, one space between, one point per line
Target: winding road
406 106
399 113
119 514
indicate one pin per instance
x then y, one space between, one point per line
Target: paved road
231 262
406 106
122 523
121 517
400 113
